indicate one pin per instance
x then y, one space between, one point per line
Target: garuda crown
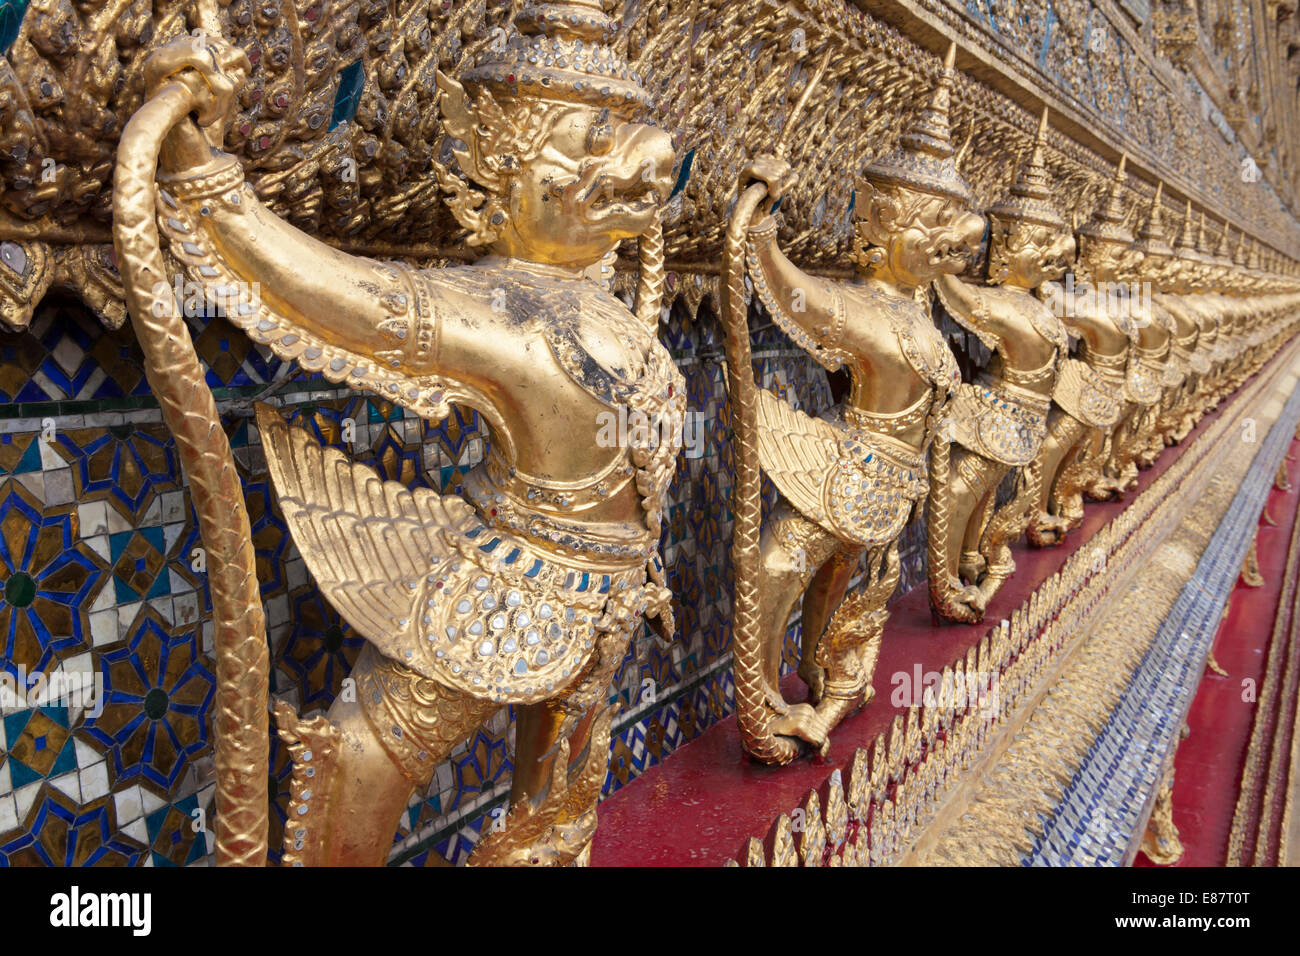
923 159
1030 199
1107 223
560 52
1151 237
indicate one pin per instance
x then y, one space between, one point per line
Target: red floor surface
700 806
1208 765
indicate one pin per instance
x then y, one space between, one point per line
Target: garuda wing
424 579
365 540
852 483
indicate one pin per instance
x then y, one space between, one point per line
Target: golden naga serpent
753 710
176 377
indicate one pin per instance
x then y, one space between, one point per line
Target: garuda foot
558 831
1046 531
963 604
992 583
1104 489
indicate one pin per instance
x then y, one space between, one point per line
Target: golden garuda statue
1144 377
1224 279
849 479
1088 398
1158 352
1182 411
1164 270
1204 304
997 423
524 591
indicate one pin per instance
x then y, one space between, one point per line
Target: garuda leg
849 645
1059 504
960 483
1006 525
793 550
354 772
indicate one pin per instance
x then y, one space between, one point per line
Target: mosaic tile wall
103 589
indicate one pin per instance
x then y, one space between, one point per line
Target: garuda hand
211 67
773 172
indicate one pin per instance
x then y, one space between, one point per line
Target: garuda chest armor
1148 372
1002 416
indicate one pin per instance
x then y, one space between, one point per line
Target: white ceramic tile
8 813
128 806
86 754
173 506
150 801
50 459
117 521
137 831
186 608
94 782
103 627
277 610
163 605
33 481
68 784
58 486
93 518
171 534
68 355
126 614
24 797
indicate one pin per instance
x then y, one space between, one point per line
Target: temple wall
103 570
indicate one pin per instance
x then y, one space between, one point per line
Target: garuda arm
969 306
412 337
809 309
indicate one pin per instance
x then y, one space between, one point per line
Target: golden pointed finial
961 153
1151 237
1030 199
1107 223
1202 243
1224 250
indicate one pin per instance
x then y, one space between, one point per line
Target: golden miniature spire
1239 254
1151 237
923 159
1030 199
1224 251
1186 239
1108 220
1202 242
